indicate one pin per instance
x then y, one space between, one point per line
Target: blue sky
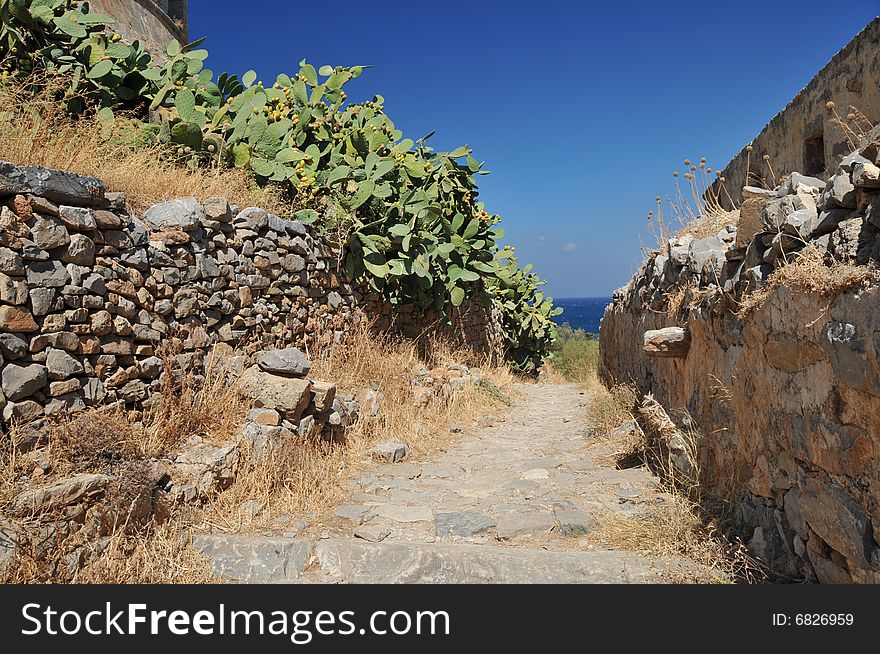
581 110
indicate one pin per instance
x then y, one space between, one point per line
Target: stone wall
153 22
91 295
786 398
804 136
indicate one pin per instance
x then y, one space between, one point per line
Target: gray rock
20 382
13 290
63 492
290 361
80 250
204 468
49 233
839 192
399 513
47 274
79 219
838 519
801 223
13 346
525 521
151 367
253 217
798 183
392 451
217 208
53 185
60 365
679 249
573 522
254 559
356 561
290 395
464 524
775 212
185 214
11 263
704 250
31 252
293 263
372 533
93 392
353 512
866 174
828 221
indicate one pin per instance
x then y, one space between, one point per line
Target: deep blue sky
581 110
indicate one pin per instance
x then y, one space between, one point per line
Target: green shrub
575 354
407 219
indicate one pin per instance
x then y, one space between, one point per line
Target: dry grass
810 272
160 554
34 130
609 408
677 528
709 223
301 480
687 522
309 479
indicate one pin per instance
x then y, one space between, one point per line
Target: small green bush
575 354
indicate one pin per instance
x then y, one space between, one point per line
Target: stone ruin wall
153 22
784 400
804 136
90 294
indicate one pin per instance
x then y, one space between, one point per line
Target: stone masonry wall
804 136
787 399
153 22
90 294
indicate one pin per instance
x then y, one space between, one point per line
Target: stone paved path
507 503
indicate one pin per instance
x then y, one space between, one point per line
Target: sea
582 312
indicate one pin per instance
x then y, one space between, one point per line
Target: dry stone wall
786 400
91 296
804 135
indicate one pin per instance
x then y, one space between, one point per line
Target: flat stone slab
404 513
288 361
388 562
372 533
573 522
464 524
254 559
439 470
353 512
534 522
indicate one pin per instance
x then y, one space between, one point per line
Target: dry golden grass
709 223
810 272
34 130
677 528
309 479
609 408
160 554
